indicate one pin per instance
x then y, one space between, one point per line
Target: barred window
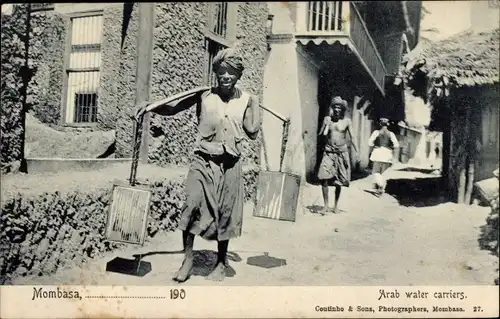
219 34
83 70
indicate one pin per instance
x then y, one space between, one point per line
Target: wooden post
461 185
144 66
445 150
472 153
464 153
470 182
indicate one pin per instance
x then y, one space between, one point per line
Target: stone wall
178 56
15 75
122 83
251 30
37 86
47 48
178 65
48 40
109 95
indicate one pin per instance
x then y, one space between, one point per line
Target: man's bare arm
251 119
174 104
170 109
349 128
324 126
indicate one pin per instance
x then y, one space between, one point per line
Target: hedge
40 233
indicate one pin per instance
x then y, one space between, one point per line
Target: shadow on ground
204 261
312 179
417 192
317 209
314 209
417 170
133 267
359 174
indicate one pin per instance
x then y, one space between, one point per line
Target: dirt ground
373 241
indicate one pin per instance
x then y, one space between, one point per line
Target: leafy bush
41 233
489 236
492 227
492 231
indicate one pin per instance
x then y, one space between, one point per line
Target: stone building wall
178 65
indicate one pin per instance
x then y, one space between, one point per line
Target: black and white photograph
214 144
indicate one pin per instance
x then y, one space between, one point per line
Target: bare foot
185 271
336 210
218 274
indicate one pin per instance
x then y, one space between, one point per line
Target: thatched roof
466 59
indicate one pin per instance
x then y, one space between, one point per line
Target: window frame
47 7
67 69
211 37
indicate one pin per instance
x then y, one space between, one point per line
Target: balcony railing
366 47
324 16
342 20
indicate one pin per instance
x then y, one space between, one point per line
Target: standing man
335 167
384 142
214 204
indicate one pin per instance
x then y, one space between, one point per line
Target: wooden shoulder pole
144 67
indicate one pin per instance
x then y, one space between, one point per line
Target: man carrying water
214 204
335 167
